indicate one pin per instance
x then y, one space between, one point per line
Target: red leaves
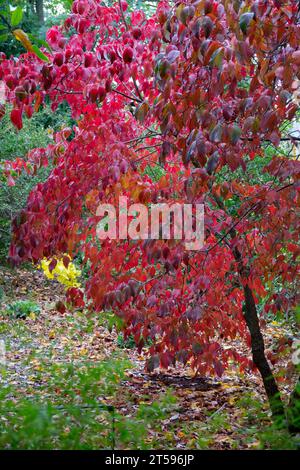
212 48
80 7
166 110
20 93
185 13
122 294
75 297
219 369
10 181
136 33
58 59
16 118
52 265
96 93
296 58
60 307
128 55
124 5
66 261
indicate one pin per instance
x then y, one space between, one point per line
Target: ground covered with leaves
71 381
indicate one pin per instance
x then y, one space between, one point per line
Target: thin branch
148 147
137 89
67 92
141 137
283 139
127 96
231 230
122 14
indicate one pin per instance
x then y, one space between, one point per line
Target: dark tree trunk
259 358
40 11
258 346
257 341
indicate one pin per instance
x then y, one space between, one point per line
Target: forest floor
166 409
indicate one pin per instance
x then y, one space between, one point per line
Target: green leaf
3 37
245 20
4 12
39 53
40 42
16 16
68 4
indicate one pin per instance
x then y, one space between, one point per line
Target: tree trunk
260 360
40 11
257 341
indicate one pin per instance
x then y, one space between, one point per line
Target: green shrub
129 342
66 410
123 343
22 309
36 133
256 429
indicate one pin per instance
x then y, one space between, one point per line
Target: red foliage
210 84
75 297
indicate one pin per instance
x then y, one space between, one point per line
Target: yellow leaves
125 182
32 316
83 352
232 400
64 275
51 334
137 190
21 36
140 358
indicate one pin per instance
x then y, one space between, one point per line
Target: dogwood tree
192 105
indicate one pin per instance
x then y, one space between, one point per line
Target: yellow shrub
66 276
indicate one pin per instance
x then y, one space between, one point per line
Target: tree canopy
192 104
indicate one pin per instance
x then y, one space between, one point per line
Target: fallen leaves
75 338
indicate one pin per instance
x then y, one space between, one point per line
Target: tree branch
122 14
